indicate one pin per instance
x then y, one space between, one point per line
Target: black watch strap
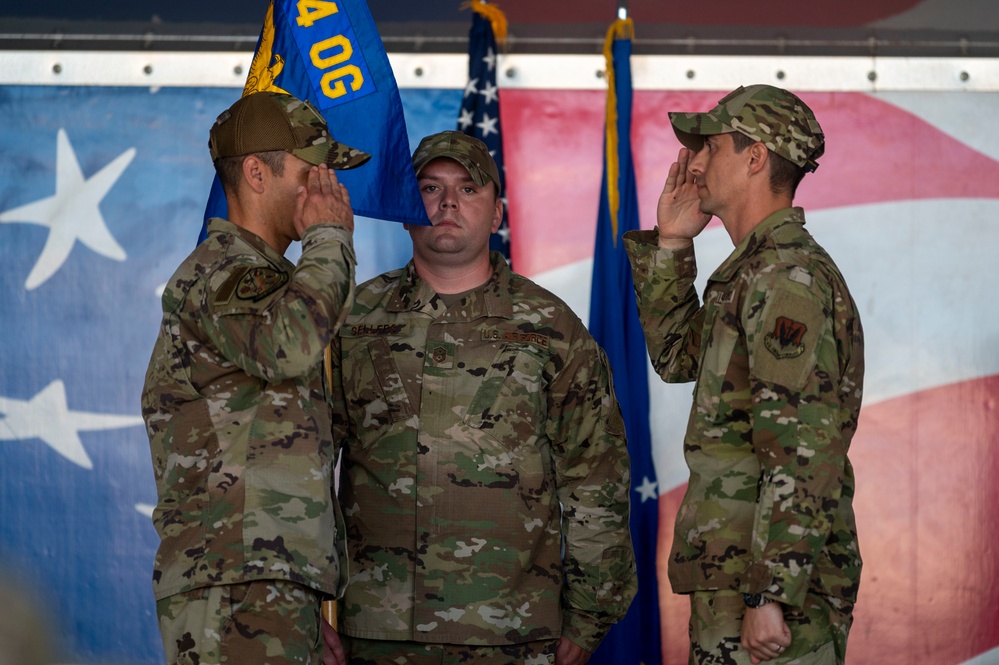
755 600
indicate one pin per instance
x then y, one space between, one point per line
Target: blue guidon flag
330 54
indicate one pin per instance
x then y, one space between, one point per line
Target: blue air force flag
614 324
330 54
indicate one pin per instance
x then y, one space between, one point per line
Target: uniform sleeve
668 306
797 435
592 472
275 325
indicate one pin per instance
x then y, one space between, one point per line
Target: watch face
754 600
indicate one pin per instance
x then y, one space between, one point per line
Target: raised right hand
323 201
679 213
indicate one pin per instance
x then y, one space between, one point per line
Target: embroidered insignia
259 283
439 354
536 339
785 340
363 329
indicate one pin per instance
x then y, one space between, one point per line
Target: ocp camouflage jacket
238 424
777 353
478 440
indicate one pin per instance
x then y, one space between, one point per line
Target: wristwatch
755 600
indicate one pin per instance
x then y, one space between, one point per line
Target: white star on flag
488 125
73 213
647 490
471 88
490 59
489 92
465 119
47 417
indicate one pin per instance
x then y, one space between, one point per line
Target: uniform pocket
509 404
375 392
715 361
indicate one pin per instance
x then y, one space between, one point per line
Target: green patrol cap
775 117
267 121
467 150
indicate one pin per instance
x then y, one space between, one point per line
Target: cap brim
691 128
478 175
338 156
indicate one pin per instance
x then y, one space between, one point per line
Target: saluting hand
679 212
323 201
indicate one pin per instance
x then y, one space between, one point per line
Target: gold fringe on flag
493 14
622 28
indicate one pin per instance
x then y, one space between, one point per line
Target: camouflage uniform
234 406
777 353
478 441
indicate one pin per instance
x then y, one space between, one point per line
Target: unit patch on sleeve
787 339
784 341
260 282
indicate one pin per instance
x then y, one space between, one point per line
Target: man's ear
254 173
759 157
497 214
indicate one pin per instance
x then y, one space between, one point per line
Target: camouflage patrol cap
467 150
775 117
266 121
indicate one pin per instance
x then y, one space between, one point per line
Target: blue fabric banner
330 54
614 324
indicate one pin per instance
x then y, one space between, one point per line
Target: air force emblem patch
785 340
259 283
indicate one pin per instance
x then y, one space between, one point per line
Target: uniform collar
224 226
761 236
492 299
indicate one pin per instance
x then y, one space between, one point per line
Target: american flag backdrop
102 191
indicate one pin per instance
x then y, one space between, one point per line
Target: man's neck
744 221
453 279
268 234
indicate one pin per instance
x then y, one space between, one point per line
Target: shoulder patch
258 283
785 346
784 341
224 294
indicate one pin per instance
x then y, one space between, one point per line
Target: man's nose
696 165
449 198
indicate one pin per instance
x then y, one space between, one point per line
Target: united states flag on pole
480 116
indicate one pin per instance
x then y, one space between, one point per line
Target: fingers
766 651
324 200
682 159
671 178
